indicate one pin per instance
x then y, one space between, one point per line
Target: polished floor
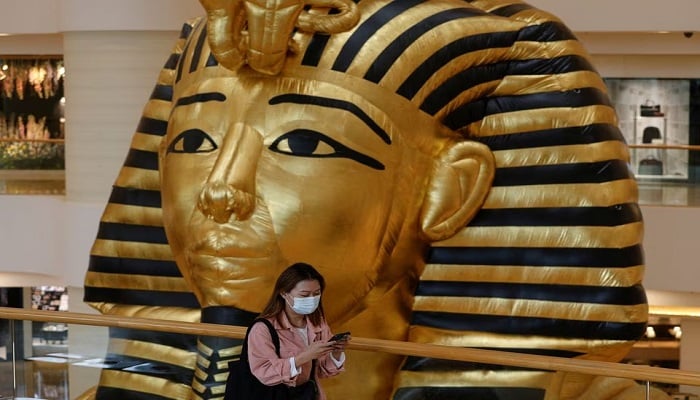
679 194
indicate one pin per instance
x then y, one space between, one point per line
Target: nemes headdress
551 264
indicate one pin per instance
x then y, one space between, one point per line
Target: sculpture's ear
460 180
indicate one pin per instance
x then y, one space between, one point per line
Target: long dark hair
287 280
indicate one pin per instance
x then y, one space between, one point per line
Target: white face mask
305 305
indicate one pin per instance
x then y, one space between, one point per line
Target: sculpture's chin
244 283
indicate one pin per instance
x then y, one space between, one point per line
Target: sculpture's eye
305 143
309 143
192 141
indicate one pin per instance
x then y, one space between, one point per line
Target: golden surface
575 195
270 159
146 384
152 351
609 277
532 308
33 186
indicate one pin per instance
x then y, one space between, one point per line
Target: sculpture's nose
230 188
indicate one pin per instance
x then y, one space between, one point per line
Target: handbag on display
650 133
650 109
651 166
242 384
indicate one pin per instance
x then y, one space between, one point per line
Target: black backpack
242 384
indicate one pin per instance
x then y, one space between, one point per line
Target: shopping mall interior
100 62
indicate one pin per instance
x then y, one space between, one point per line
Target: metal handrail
665 146
590 367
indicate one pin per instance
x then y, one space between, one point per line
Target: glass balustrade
56 360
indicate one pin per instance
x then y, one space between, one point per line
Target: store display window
49 298
658 119
32 113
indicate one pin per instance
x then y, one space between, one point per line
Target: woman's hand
314 351
339 346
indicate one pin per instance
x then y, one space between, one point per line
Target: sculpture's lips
231 243
240 282
225 270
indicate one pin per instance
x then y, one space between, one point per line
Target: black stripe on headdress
176 340
386 59
617 295
561 174
135 197
514 325
567 136
162 92
197 53
618 214
444 55
482 108
151 126
113 393
142 159
131 233
545 256
468 78
141 297
367 29
134 266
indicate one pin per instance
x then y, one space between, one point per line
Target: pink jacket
272 370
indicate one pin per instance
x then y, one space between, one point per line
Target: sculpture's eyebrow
333 103
200 98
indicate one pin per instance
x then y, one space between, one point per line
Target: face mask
305 305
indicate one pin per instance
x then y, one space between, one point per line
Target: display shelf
655 163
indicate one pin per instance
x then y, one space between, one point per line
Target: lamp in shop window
676 332
650 333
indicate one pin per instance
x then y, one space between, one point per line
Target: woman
295 311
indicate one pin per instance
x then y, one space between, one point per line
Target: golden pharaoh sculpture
453 168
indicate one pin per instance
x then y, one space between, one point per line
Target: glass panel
67 365
659 120
49 363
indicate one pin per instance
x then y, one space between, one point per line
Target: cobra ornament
258 33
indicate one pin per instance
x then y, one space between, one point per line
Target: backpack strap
273 334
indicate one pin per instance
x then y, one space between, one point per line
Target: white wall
110 76
45 240
54 16
51 16
30 227
624 15
670 240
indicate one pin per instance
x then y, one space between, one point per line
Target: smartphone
339 336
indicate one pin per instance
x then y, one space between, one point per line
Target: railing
636 372
689 147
